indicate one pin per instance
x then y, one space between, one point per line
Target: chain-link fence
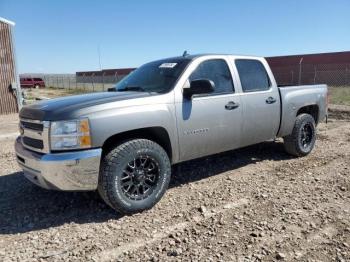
87 83
306 74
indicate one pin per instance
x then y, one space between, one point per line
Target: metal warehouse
8 72
325 68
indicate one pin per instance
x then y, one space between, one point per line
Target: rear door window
253 75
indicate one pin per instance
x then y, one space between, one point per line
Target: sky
65 36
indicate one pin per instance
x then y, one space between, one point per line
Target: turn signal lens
84 126
85 141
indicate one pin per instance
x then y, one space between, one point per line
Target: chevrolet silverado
123 142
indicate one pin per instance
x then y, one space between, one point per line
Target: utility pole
99 56
315 75
301 60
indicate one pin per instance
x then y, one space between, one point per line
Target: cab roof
194 56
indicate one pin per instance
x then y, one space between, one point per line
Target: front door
210 123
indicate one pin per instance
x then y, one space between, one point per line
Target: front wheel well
155 134
311 110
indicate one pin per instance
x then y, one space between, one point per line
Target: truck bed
293 97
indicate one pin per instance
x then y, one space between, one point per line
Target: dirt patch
339 112
251 204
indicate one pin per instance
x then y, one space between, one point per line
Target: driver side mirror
199 86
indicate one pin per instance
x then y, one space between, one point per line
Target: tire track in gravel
320 232
137 243
266 181
310 166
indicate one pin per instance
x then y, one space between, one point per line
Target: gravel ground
252 204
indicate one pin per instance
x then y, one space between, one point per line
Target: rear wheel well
156 134
311 110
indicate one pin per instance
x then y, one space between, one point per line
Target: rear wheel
134 176
303 138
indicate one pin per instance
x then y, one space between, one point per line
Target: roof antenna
185 53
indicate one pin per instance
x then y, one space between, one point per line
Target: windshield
159 76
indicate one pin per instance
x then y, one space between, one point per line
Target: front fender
110 122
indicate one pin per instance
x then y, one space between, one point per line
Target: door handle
231 105
270 100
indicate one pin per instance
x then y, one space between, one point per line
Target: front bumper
68 171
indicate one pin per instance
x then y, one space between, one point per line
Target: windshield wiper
132 88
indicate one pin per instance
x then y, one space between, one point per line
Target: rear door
210 123
260 101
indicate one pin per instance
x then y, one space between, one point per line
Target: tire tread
291 141
111 159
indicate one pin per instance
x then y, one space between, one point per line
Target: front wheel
303 137
134 176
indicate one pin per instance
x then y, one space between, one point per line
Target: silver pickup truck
123 142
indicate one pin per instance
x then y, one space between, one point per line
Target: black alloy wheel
306 135
140 177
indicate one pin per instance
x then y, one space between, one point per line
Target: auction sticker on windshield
168 65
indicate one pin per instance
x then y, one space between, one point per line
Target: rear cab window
253 75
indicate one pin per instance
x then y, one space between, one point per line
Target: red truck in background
32 82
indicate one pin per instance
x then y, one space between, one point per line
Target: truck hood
67 107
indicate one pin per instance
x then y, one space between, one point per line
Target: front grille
33 126
35 143
35 135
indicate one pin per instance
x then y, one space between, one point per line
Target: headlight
72 134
